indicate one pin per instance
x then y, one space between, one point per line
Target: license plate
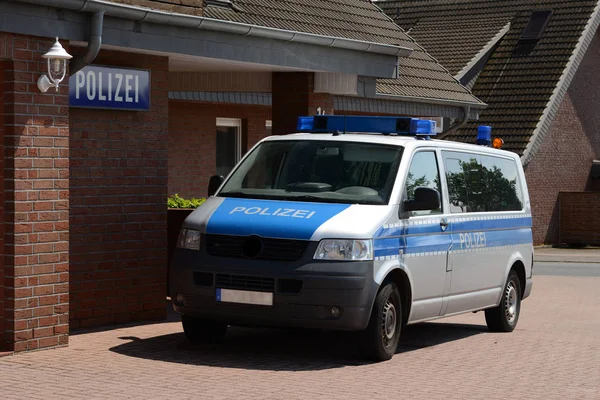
245 297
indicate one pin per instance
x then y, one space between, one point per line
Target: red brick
43 290
48 300
61 329
48 321
24 335
43 332
49 342
43 311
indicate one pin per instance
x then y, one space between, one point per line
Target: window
268 127
423 172
481 183
536 25
229 144
503 192
317 171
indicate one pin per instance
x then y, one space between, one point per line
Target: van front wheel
379 340
199 330
505 316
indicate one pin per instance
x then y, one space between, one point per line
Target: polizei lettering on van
279 212
474 240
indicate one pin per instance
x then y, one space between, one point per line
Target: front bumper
304 291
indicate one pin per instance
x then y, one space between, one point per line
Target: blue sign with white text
110 88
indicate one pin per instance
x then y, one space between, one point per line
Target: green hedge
177 201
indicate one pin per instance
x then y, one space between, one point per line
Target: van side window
481 183
503 192
423 172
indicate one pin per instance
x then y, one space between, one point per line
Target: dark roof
420 74
518 88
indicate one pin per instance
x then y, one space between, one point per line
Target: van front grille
254 247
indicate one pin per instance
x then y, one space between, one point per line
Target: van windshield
317 171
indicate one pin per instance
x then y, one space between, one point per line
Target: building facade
160 95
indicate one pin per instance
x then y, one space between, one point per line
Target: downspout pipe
467 111
94 44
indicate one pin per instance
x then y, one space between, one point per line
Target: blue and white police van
357 223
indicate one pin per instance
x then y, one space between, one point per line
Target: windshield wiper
313 197
237 194
242 195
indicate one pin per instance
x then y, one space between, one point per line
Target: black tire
199 330
505 316
379 341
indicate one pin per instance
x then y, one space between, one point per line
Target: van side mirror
214 183
425 199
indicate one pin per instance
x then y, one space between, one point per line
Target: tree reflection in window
482 183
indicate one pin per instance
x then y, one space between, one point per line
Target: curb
568 259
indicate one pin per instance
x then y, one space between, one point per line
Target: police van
357 223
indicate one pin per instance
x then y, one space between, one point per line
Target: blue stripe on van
484 225
427 243
456 226
462 241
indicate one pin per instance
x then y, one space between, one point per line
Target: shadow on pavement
169 316
282 349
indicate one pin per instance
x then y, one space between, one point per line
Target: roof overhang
477 63
143 28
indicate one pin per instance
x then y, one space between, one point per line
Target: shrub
177 201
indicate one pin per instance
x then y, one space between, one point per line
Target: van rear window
482 183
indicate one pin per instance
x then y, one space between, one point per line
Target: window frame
231 123
442 176
478 156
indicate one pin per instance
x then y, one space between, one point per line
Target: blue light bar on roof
366 124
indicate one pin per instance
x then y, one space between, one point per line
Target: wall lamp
57 58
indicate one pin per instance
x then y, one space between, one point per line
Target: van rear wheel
199 330
379 340
505 316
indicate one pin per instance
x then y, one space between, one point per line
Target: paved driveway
553 354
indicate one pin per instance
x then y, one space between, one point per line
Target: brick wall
564 161
192 141
2 313
36 189
118 205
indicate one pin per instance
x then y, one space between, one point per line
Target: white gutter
142 14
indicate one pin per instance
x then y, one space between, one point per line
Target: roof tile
420 74
517 88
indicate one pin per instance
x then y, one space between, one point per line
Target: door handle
444 223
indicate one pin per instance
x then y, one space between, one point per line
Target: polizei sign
110 88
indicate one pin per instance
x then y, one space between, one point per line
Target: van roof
393 140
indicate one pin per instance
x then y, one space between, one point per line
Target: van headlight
189 239
344 250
